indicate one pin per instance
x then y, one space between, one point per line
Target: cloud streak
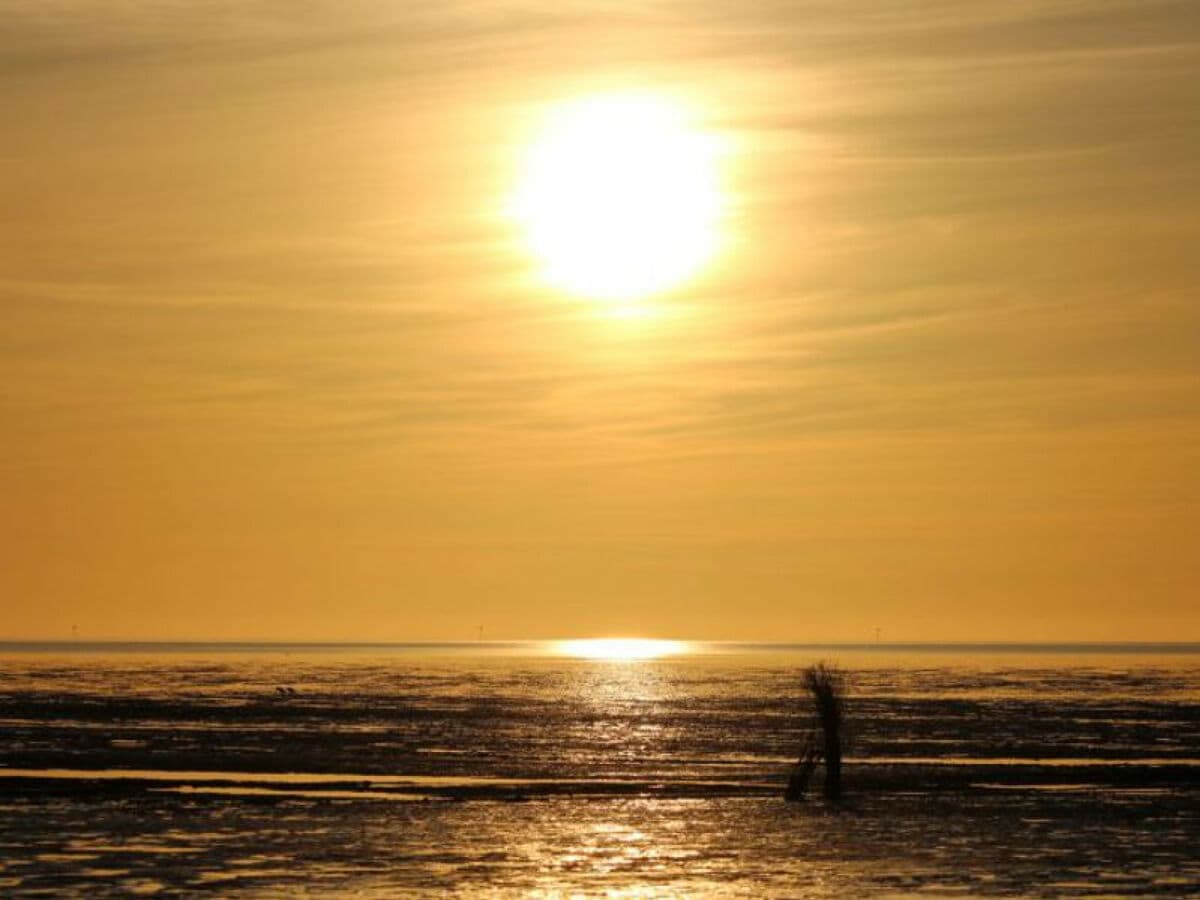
259 298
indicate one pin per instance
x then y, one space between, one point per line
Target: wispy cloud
256 279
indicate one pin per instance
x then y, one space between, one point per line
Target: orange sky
275 365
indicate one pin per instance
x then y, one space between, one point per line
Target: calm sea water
505 770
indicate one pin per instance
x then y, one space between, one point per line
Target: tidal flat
513 771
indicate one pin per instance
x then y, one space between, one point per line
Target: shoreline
864 779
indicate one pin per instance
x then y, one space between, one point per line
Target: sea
543 769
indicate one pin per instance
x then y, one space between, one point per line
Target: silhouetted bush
826 685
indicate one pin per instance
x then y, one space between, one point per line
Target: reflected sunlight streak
620 648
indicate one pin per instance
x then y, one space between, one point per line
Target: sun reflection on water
620 648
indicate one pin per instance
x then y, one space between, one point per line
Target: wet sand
405 776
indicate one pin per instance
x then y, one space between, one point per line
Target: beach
510 770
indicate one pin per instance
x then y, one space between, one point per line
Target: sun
620 648
620 197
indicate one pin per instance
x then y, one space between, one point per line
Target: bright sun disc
620 648
620 197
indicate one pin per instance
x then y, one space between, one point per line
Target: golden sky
276 364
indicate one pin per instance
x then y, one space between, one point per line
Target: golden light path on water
620 648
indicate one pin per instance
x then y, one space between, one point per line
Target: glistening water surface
507 770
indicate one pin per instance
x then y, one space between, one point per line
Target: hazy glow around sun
620 648
620 197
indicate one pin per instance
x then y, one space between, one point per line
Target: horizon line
698 645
